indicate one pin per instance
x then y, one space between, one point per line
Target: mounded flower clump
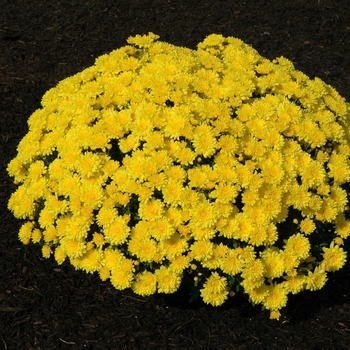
160 163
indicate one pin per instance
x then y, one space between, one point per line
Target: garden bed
46 306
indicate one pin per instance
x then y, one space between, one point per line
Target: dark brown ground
43 306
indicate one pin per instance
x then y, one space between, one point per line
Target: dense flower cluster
161 162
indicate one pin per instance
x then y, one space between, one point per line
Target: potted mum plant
216 165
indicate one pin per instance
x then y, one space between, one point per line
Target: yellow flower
129 143
143 40
46 251
224 193
204 215
257 235
25 232
197 176
250 197
106 215
231 263
145 283
142 127
172 192
185 156
176 124
104 273
46 218
201 233
211 40
151 210
16 169
295 284
342 226
68 183
316 280
258 292
36 235
202 250
37 169
117 231
50 234
339 197
21 204
291 261
175 216
313 175
112 258
110 166
228 144
245 173
298 245
204 144
275 315
273 139
276 297
121 279
299 196
215 290
257 127
253 270
179 263
167 280
88 164
260 215
323 189
122 198
173 246
29 146
72 248
98 239
156 181
55 205
176 173
225 171
154 140
339 168
77 227
60 255
161 229
147 250
273 262
328 212
307 226
334 258
91 260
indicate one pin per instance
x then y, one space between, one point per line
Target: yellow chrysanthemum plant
217 166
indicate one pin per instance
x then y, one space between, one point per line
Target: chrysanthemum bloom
334 258
25 232
121 279
274 263
295 284
298 245
60 255
145 283
91 261
215 290
316 279
168 281
276 297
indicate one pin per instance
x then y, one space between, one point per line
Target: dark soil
45 306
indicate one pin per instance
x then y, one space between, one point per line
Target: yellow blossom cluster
160 161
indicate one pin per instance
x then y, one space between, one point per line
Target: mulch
46 306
